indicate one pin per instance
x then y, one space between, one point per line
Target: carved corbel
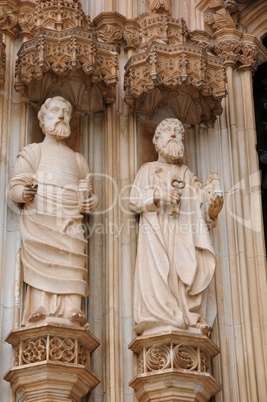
114 27
109 28
132 38
9 17
27 20
110 34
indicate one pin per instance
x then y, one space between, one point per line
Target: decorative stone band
55 348
182 359
48 350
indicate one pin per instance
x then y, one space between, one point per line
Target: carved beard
173 149
59 130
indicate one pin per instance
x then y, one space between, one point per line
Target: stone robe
175 258
53 243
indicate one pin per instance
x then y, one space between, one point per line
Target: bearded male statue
54 185
175 258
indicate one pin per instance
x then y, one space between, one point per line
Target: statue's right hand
169 197
29 192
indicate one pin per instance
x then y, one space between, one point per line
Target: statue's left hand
89 204
216 204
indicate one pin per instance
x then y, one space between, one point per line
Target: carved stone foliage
238 53
63 46
177 358
160 6
8 17
113 27
49 352
231 46
27 21
222 14
2 60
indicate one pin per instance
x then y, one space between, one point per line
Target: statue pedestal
174 366
52 363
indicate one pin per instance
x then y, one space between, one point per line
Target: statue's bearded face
56 120
170 142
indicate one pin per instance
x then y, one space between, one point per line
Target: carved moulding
64 52
174 366
52 363
2 60
171 71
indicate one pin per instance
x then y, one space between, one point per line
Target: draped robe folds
53 242
175 258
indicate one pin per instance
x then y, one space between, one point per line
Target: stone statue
160 7
54 185
175 258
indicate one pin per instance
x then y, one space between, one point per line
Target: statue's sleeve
25 168
82 165
142 192
84 171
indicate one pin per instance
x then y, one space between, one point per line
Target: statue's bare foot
205 329
78 317
37 316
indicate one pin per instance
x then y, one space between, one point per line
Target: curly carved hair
165 123
42 112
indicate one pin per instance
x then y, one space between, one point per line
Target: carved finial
160 7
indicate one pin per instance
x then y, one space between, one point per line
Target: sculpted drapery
46 179
175 258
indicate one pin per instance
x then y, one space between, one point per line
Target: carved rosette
64 45
178 358
2 60
47 355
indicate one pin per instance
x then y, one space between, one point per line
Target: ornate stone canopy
171 70
65 46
